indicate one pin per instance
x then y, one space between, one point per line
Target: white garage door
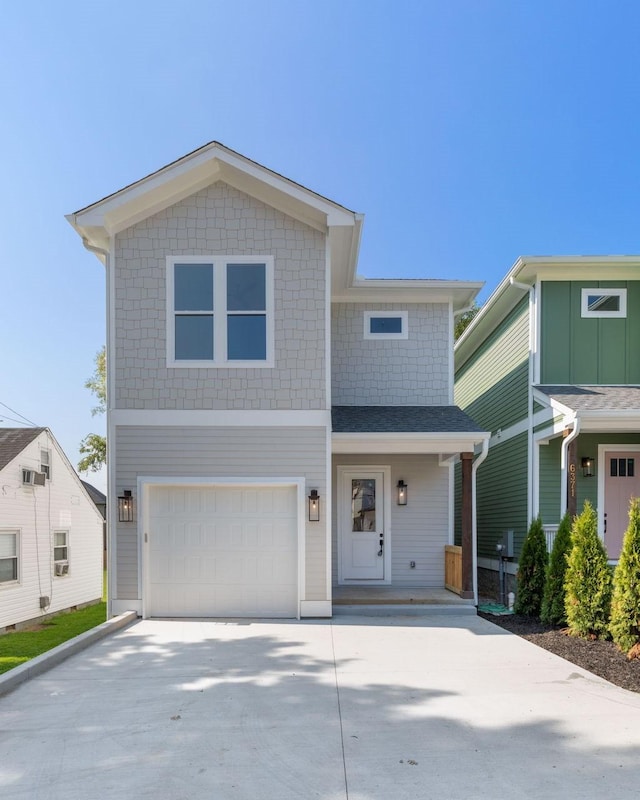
221 551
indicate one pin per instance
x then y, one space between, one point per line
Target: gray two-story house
277 426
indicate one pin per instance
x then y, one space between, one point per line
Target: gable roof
99 221
14 440
96 495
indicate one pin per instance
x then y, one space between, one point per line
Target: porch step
377 600
402 609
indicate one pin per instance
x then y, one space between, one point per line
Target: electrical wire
11 419
13 411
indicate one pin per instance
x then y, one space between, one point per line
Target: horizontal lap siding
419 530
492 386
36 512
230 452
502 495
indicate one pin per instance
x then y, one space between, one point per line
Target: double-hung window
220 311
61 553
8 556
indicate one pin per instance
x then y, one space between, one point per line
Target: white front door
362 525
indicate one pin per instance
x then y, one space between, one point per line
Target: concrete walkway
359 708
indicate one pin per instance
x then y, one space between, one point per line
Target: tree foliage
625 604
94 447
588 579
464 320
552 611
532 567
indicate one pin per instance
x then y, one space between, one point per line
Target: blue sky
467 131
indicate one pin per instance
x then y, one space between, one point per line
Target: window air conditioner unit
61 568
32 478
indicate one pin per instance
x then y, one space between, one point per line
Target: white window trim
220 312
16 533
584 306
66 560
404 316
47 471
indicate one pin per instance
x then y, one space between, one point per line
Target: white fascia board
409 291
541 397
622 421
387 443
182 178
233 418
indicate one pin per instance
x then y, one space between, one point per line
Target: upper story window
45 463
220 311
386 325
604 303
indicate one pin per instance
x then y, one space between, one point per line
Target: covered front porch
393 505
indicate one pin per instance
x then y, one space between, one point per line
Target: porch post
572 466
466 460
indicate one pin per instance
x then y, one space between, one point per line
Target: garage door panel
222 551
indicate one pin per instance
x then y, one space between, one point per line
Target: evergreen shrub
552 611
588 579
532 567
625 604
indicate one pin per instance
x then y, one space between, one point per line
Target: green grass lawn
20 646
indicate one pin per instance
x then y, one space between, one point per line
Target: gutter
101 252
474 522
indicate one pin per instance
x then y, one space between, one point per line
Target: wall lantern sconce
314 506
587 466
402 493
125 506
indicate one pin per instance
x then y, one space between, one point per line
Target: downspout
563 465
532 340
99 251
474 522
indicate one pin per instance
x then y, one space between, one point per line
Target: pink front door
621 483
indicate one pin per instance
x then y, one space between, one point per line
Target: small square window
386 325
603 303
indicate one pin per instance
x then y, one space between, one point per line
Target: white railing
550 535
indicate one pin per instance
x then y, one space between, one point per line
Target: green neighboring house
551 366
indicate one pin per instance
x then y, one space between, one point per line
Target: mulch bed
601 658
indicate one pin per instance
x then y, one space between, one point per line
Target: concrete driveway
362 708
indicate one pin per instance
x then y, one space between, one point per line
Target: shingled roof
14 440
401 419
595 398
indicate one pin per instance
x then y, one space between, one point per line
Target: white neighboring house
50 530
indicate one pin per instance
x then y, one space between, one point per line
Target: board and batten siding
502 495
223 452
493 385
219 220
412 371
36 512
577 350
419 530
